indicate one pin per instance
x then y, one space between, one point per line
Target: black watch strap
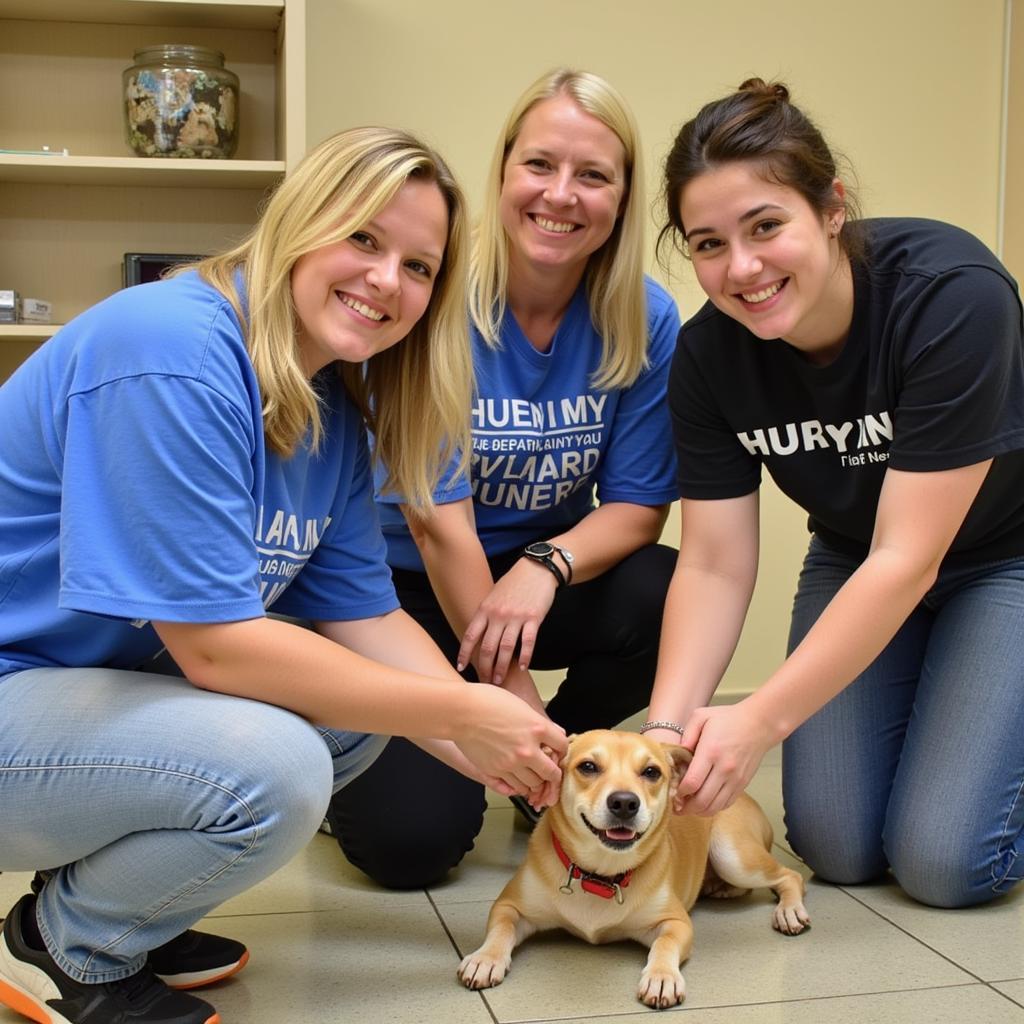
568 559
548 562
554 570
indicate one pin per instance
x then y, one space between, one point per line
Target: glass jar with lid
180 101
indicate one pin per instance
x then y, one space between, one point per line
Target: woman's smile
767 259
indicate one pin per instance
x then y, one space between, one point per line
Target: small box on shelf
36 311
8 306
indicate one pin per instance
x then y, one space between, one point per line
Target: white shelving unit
66 221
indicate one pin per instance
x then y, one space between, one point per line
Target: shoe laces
138 990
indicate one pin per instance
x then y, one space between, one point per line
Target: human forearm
706 605
454 560
460 579
729 742
318 678
608 534
851 632
371 689
402 643
460 586
704 615
448 753
521 682
918 516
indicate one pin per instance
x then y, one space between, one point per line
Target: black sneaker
191 960
195 959
33 985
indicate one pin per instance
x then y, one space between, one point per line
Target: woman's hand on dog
508 740
547 794
520 682
447 752
728 743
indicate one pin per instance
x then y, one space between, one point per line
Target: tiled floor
327 947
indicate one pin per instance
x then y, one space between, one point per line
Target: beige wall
909 90
1013 211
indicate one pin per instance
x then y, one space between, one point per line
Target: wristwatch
543 552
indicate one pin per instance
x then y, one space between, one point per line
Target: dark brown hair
757 123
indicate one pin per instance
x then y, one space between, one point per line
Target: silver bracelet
674 726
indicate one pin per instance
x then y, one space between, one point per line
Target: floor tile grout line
978 982
786 850
645 1011
1006 995
848 995
617 1014
917 939
444 923
483 996
911 935
281 913
458 952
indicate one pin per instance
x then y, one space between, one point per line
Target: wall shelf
66 221
261 14
27 332
134 171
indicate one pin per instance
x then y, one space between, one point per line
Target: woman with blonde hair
189 454
516 565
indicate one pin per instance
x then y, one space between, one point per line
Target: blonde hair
414 395
614 274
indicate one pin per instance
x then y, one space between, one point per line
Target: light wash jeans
154 801
918 765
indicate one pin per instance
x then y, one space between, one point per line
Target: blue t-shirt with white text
547 444
136 485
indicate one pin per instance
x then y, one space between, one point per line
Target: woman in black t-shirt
876 370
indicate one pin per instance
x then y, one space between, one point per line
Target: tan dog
611 861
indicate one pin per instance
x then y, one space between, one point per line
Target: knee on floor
951 874
406 863
847 859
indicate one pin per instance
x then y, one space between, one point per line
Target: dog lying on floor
610 861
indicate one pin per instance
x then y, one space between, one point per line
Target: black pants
408 819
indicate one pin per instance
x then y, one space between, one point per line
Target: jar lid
179 52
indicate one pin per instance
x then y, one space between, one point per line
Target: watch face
540 549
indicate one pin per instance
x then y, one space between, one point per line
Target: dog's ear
565 758
679 757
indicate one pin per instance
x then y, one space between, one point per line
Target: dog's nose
623 804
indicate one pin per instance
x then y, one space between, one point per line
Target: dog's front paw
661 988
479 970
790 920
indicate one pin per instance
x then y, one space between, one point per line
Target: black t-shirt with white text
931 377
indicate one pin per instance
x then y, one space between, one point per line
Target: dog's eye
587 768
652 773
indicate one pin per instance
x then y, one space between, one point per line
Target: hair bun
774 90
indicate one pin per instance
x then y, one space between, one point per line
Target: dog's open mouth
620 838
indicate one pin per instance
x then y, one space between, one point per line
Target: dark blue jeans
918 765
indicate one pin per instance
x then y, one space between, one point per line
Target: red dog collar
598 885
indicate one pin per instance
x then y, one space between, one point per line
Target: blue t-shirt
547 444
135 484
